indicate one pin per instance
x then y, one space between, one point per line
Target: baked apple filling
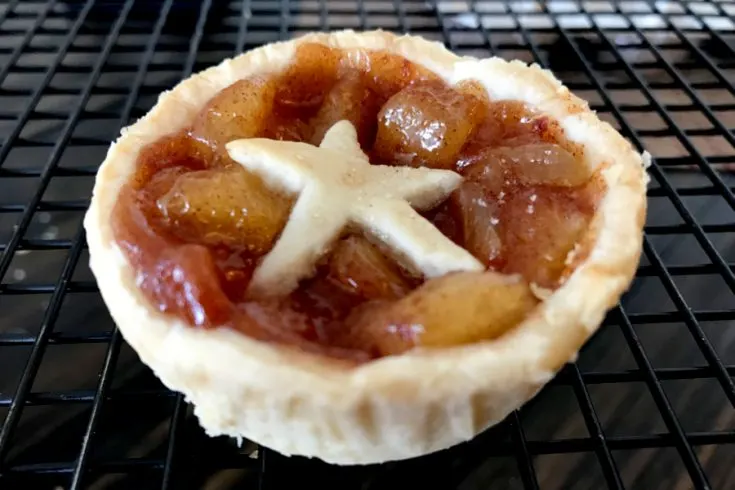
195 224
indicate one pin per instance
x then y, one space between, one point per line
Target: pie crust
395 407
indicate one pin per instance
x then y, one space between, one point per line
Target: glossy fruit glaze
194 224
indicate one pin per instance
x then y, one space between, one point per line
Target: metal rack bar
563 379
154 88
178 415
362 15
712 32
499 448
525 465
114 345
685 450
726 192
700 338
401 13
34 359
245 13
162 54
491 46
612 475
36 94
105 380
699 478
8 11
723 268
724 189
285 18
676 201
323 16
523 455
23 44
176 422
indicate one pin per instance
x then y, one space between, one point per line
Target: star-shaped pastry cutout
338 189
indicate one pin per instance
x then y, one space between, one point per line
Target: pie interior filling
194 224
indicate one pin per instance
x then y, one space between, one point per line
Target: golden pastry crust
395 407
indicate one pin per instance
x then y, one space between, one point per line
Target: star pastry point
338 187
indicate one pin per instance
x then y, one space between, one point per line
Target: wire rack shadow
648 405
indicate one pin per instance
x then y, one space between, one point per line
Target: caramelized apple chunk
502 119
228 207
425 124
180 279
478 215
161 182
186 280
349 99
388 73
508 123
310 76
541 226
241 110
236 267
175 150
534 164
491 174
360 268
458 308
284 322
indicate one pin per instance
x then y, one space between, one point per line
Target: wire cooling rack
648 405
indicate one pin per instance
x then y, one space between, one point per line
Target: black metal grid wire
648 405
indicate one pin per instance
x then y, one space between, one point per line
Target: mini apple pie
361 247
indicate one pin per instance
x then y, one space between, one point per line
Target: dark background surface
649 404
